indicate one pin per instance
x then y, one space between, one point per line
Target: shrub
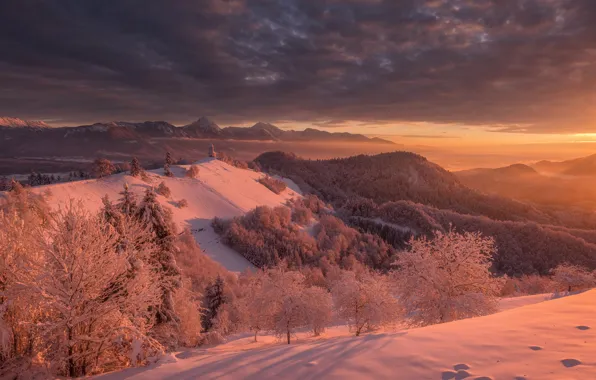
192 172
164 190
273 184
182 203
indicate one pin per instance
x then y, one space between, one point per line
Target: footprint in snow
452 375
569 363
535 348
459 367
583 328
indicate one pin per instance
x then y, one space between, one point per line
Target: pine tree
109 213
214 300
159 222
128 202
135 167
166 167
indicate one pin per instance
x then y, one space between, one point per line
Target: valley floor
546 340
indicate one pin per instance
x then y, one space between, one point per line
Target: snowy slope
550 340
220 190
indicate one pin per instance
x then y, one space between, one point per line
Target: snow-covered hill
549 340
220 190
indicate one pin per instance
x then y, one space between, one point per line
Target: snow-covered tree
192 172
284 291
573 277
159 221
109 212
166 167
84 297
169 160
135 167
128 202
163 189
214 300
102 167
319 309
365 300
254 304
447 278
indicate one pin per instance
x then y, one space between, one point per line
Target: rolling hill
220 190
584 166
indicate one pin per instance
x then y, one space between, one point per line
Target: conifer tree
167 164
214 300
135 167
159 221
109 213
128 202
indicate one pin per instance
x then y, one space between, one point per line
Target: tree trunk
71 363
256 335
288 331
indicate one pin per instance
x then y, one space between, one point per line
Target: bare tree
447 278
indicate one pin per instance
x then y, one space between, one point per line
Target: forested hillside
398 195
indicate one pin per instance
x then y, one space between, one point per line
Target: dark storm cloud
484 62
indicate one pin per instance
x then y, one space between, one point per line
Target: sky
452 72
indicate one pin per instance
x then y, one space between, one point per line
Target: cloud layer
513 65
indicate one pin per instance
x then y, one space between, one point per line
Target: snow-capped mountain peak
13 122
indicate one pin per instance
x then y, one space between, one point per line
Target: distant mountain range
203 128
566 183
585 166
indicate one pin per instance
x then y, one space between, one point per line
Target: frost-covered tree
214 300
102 168
109 212
447 278
192 172
166 167
128 202
254 304
284 291
573 277
364 300
169 160
319 309
135 167
159 221
84 297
